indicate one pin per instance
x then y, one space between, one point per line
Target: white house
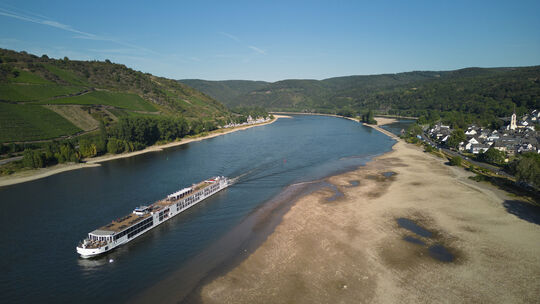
494 136
473 141
477 148
470 131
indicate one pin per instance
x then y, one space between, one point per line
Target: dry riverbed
408 229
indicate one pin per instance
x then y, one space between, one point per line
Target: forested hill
226 91
479 94
44 98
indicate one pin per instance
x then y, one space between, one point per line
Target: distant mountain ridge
481 92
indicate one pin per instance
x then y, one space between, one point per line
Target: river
43 220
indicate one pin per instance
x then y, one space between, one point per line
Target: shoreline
266 218
381 120
481 227
378 115
30 175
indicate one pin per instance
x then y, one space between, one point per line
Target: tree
168 130
196 127
209 126
68 154
368 118
33 159
455 161
493 156
115 146
87 148
101 141
422 120
347 112
527 168
183 127
456 137
50 153
414 130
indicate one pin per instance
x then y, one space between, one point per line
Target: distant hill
226 91
476 93
44 98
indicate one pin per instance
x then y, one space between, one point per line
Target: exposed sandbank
352 250
29 175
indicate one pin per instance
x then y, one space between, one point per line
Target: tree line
129 134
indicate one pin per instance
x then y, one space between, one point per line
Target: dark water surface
413 227
42 221
439 252
397 126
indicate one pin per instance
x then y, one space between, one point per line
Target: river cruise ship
144 218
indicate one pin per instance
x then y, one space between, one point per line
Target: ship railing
88 243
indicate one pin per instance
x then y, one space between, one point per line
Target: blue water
42 221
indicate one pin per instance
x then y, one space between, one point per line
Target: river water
42 221
398 126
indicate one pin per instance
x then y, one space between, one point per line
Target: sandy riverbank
29 175
353 250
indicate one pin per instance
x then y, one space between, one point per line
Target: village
517 136
250 121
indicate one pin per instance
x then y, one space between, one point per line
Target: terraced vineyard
43 98
24 92
120 100
32 122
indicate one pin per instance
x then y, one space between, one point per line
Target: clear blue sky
273 40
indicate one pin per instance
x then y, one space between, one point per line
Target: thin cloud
51 23
111 51
233 37
258 50
80 34
253 48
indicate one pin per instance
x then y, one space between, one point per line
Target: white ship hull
109 240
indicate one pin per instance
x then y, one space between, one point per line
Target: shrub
455 161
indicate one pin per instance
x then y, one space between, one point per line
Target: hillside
226 91
44 98
480 94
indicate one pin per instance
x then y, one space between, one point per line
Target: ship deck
124 222
131 219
